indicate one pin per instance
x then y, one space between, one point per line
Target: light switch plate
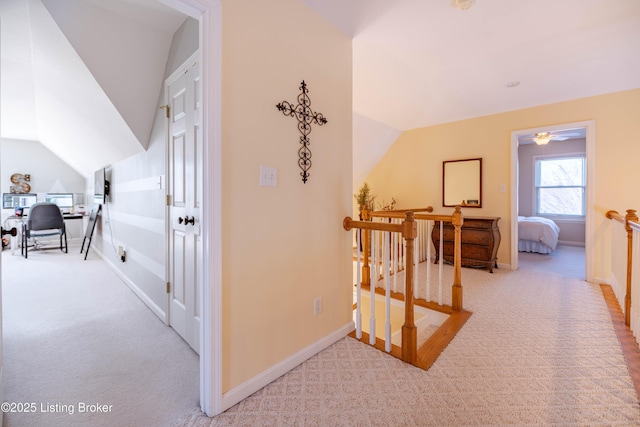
268 176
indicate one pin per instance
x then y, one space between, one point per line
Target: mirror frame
464 203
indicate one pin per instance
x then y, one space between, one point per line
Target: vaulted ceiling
423 62
415 63
83 76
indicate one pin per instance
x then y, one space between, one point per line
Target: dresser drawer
473 236
476 252
479 241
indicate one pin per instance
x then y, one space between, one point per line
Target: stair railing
374 261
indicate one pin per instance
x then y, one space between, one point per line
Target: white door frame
590 196
209 15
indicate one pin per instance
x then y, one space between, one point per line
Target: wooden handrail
400 211
349 224
615 216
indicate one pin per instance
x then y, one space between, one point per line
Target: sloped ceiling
82 79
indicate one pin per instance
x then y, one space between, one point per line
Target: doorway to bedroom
551 203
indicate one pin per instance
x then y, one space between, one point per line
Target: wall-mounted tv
101 187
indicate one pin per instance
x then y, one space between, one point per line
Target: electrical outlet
317 306
122 253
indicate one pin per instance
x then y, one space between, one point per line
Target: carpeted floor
566 261
74 334
539 349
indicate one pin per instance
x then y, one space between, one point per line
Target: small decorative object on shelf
364 198
302 111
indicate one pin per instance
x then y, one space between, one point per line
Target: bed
537 234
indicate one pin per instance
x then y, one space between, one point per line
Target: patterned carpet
538 350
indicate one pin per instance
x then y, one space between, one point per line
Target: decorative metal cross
305 117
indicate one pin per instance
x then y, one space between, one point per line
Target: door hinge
168 287
168 199
166 109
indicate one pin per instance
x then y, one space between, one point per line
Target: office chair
45 219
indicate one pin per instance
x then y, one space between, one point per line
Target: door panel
185 245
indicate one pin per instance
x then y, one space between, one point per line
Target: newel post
456 289
631 216
366 249
409 330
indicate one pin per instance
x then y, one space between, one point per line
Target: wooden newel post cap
631 215
456 217
347 223
410 226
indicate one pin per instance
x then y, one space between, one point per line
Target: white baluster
394 239
387 284
635 285
416 279
428 298
358 287
372 292
441 263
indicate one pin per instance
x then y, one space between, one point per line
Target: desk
73 222
74 225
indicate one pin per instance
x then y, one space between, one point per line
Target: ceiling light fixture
463 4
542 138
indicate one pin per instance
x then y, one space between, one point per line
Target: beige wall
411 170
282 246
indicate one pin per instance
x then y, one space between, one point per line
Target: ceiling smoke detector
463 4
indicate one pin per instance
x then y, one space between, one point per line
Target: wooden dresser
479 241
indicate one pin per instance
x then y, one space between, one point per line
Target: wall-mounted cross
305 117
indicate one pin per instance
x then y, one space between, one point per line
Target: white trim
246 389
569 243
504 265
602 281
590 196
209 15
134 288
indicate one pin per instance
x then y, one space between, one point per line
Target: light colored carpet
568 261
539 349
74 333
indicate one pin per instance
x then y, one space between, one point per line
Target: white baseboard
569 243
134 288
602 281
246 389
504 265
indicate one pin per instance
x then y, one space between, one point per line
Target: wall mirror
462 183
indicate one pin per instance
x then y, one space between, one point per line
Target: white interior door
185 201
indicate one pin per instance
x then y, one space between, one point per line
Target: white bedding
535 230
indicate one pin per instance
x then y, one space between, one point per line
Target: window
560 186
